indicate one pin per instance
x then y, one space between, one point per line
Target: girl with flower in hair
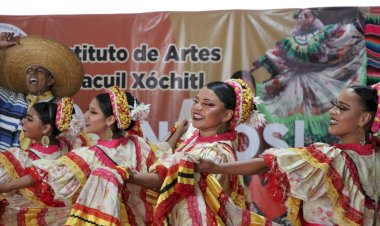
188 198
326 184
43 124
61 181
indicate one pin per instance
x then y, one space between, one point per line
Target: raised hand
8 39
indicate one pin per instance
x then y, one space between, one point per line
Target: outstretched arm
147 180
22 182
247 167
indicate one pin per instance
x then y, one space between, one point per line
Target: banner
299 59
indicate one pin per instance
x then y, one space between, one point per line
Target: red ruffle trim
318 154
42 189
278 183
337 180
163 208
64 141
180 191
150 160
344 200
366 149
3 205
122 172
162 171
220 137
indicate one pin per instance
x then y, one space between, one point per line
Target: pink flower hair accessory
376 121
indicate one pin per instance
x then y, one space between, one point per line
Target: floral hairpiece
139 111
238 108
376 121
64 112
120 106
245 102
256 119
77 125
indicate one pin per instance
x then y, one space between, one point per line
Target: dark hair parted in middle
104 102
47 112
225 93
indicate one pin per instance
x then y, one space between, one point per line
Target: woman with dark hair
190 199
43 124
326 184
60 182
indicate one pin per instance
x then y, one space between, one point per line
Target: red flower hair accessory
376 121
120 106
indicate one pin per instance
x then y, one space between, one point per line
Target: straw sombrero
61 61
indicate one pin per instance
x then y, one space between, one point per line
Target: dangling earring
109 134
362 136
222 128
45 141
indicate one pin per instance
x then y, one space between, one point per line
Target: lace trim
366 149
278 183
11 164
220 137
112 143
51 149
334 182
77 165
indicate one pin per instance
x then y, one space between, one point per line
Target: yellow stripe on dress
78 172
78 217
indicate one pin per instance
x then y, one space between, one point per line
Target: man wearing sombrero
32 69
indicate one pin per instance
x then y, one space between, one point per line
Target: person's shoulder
323 150
11 94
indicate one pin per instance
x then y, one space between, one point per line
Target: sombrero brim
60 60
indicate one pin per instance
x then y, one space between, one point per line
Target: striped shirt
13 107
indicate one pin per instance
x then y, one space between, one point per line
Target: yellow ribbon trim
31 196
9 167
167 181
123 215
332 193
79 175
151 197
211 196
31 216
14 175
89 217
